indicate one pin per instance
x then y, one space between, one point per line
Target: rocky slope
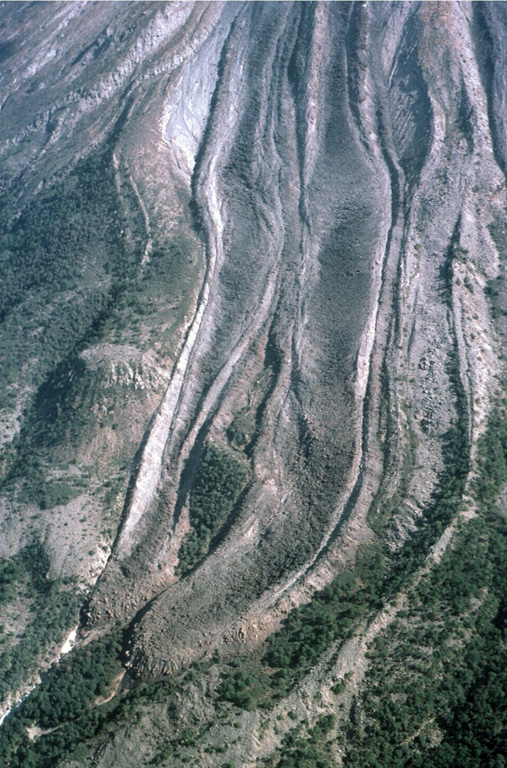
288 267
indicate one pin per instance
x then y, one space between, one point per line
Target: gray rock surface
337 173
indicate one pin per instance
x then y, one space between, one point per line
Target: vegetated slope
263 244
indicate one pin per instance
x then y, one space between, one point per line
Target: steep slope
254 311
369 228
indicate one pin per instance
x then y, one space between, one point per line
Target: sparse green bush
311 751
242 428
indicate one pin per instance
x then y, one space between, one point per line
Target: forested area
54 603
425 703
69 693
59 261
70 278
221 477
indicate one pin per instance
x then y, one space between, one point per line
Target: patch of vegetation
70 277
498 231
448 501
492 457
436 692
84 675
75 684
246 688
11 572
61 412
168 278
333 614
45 244
311 751
58 492
381 511
222 476
242 428
55 604
67 694
441 513
60 249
